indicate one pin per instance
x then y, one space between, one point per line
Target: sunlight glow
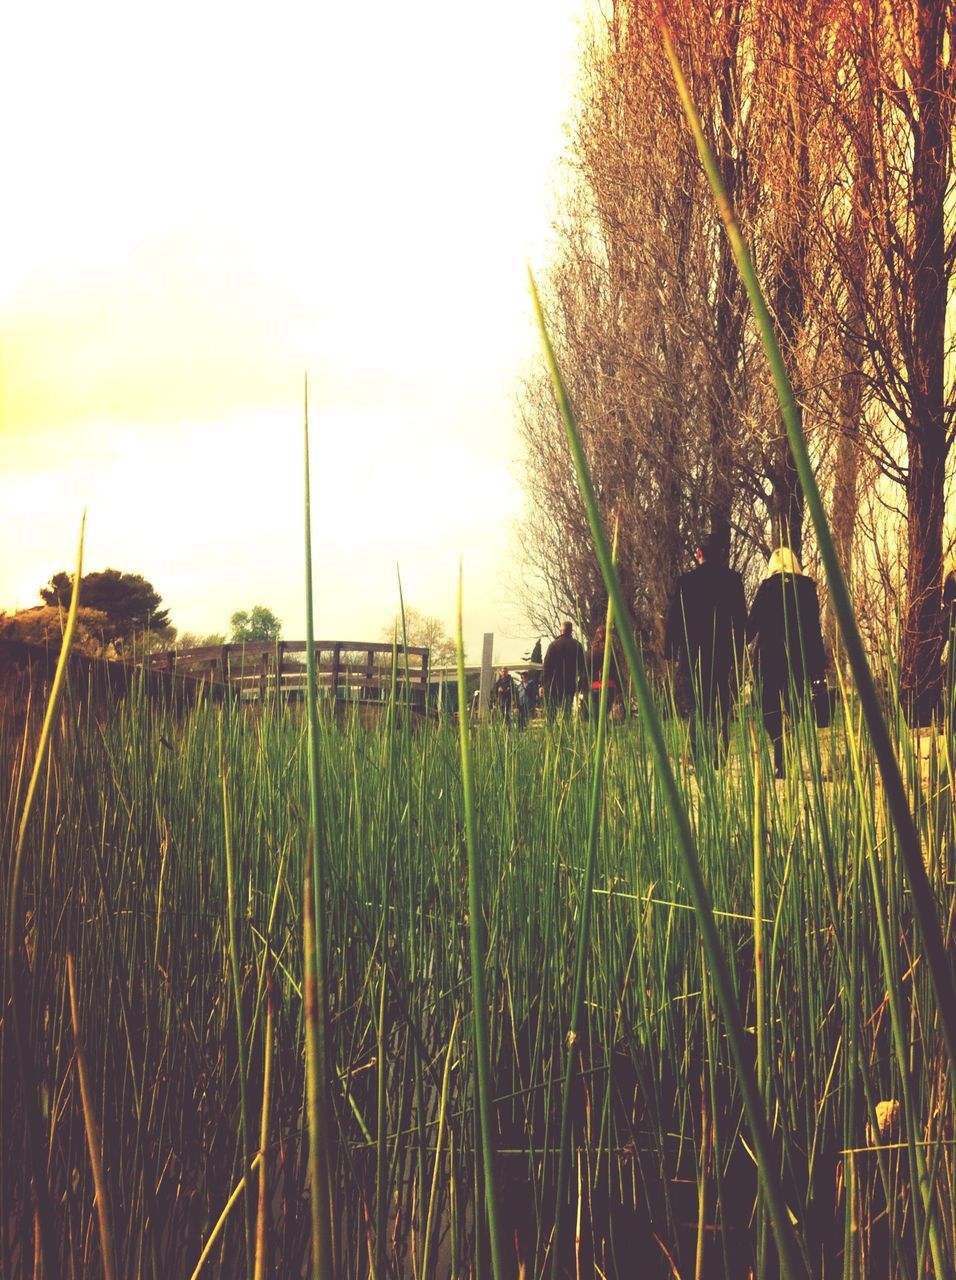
206 201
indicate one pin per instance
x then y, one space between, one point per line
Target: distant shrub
44 625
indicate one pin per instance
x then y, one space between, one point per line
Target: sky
205 202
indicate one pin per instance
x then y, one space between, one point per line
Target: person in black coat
705 632
505 694
527 697
789 655
596 664
564 671
949 634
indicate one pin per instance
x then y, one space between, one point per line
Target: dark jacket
564 669
949 608
596 664
706 623
505 692
785 623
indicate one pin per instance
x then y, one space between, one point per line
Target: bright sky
203 201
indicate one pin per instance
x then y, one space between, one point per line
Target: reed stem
94 1139
477 958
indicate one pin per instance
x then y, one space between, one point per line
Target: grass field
165 855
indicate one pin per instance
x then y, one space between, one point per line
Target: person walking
706 625
504 694
789 655
596 664
527 698
564 671
949 637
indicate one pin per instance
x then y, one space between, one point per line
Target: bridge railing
346 670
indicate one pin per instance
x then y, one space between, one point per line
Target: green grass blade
476 951
265 1130
234 972
314 944
93 1138
439 1141
316 1115
584 927
221 1222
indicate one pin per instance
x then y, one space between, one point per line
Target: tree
647 316
891 108
426 632
44 624
193 640
832 123
131 604
258 624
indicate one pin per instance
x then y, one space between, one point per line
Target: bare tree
648 322
892 111
422 629
832 125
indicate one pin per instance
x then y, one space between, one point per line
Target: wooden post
484 695
280 663
336 658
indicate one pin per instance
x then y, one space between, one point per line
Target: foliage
130 603
425 631
194 640
259 623
44 625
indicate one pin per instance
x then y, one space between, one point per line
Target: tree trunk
920 673
845 504
787 506
926 434
730 306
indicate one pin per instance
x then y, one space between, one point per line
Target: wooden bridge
345 670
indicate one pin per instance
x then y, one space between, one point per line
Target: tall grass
17 968
126 867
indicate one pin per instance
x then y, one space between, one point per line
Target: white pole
484 695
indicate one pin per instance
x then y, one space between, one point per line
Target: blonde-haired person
784 625
949 629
